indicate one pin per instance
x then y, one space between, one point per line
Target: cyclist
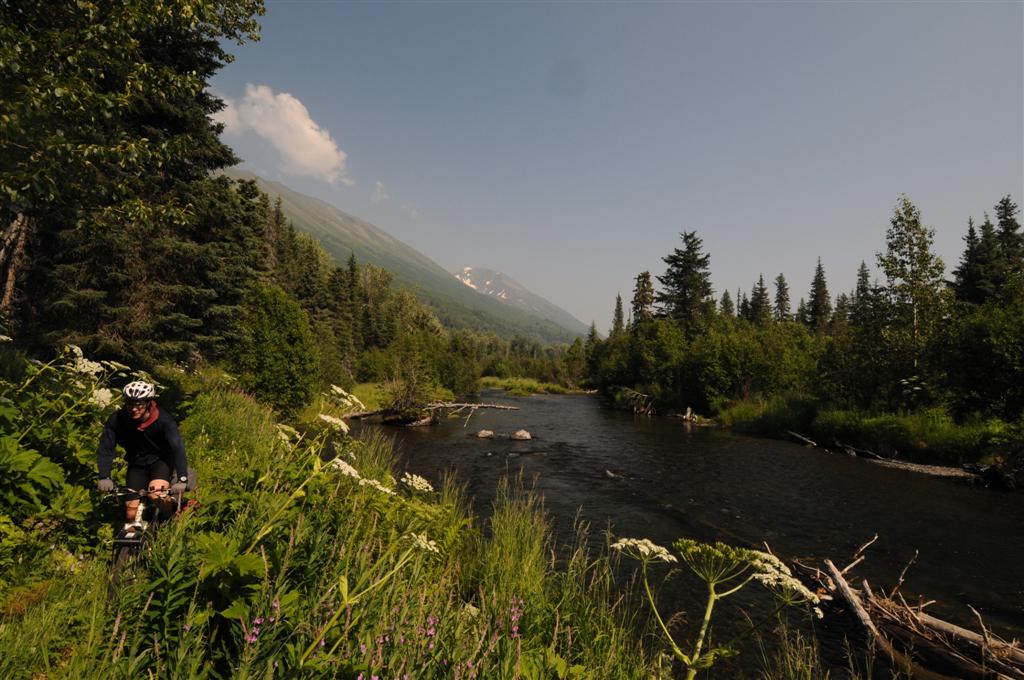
153 449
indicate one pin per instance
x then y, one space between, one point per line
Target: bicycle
131 539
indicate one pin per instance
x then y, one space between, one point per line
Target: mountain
455 304
508 290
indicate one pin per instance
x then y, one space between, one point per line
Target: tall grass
522 387
769 417
926 436
293 566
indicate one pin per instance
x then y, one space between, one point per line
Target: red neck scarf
154 413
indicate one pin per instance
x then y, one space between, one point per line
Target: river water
657 478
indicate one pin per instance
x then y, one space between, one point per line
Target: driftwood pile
430 413
928 647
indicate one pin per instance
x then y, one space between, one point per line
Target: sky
568 144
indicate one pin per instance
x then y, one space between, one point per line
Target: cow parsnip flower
643 549
417 483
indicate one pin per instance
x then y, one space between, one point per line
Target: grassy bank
929 436
523 387
292 566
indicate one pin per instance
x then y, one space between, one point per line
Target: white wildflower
83 365
775 575
345 469
102 397
376 485
424 543
416 483
6 338
347 398
76 350
643 548
336 423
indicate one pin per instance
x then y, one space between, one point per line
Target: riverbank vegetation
292 562
522 387
306 556
914 365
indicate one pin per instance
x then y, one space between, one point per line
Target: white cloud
379 193
284 121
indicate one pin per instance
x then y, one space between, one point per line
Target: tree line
121 236
912 341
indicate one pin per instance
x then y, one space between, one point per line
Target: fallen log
895 656
802 439
935 470
1000 648
357 415
433 406
457 408
930 647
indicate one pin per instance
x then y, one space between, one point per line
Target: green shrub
771 417
276 358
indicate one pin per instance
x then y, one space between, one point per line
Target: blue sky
568 144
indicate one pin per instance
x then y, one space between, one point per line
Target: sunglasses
137 404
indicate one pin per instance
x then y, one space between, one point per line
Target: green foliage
276 358
294 566
521 387
928 435
131 248
899 349
725 570
819 304
984 360
686 293
771 417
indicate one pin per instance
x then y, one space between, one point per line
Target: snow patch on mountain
504 287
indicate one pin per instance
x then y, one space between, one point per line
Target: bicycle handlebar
134 494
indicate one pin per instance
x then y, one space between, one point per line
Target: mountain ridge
499 285
455 304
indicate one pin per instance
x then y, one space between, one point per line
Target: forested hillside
341 234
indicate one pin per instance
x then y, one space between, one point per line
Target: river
657 478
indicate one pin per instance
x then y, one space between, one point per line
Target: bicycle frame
133 536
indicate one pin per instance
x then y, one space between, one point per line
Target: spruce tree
819 306
781 298
686 285
743 309
1011 241
968 276
123 234
726 307
801 313
840 321
861 296
618 323
642 306
760 303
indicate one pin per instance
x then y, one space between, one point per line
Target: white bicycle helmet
139 391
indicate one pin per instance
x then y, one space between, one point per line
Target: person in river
152 447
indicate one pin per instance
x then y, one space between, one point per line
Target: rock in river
485 434
521 435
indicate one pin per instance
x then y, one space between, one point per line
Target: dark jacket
143 442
